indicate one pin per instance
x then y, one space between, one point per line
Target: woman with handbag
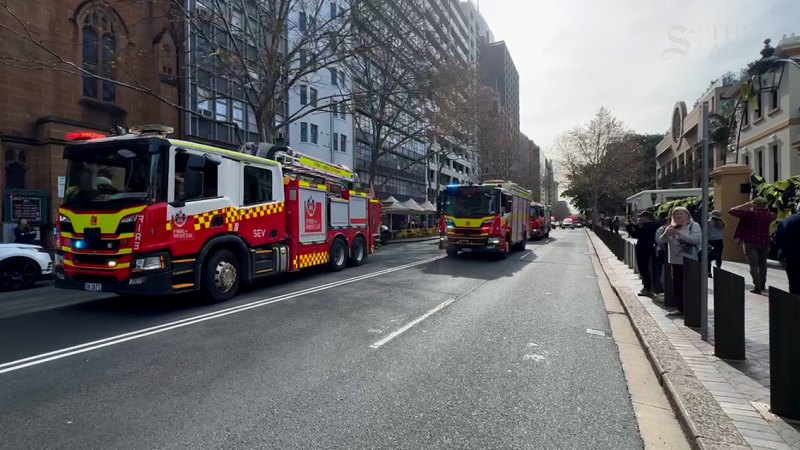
682 236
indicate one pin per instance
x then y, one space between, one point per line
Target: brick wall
40 103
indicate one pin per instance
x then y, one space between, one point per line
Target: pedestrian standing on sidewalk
615 225
645 235
753 232
683 237
659 257
24 233
715 241
788 240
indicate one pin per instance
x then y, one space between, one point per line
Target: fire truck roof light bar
84 136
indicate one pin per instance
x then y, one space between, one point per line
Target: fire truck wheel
452 251
358 254
221 276
506 249
338 256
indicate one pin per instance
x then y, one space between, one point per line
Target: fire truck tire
358 254
452 251
506 249
338 255
221 276
547 234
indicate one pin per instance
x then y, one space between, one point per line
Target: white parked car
22 265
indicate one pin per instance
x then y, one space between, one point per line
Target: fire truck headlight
148 263
450 223
64 219
494 240
59 260
129 219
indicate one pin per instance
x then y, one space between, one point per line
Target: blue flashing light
79 244
450 186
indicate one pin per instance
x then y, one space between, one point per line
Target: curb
704 423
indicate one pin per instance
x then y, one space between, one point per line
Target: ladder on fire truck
301 164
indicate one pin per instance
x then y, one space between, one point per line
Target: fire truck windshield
107 174
470 202
537 211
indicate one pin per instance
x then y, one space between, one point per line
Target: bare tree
594 161
256 50
393 80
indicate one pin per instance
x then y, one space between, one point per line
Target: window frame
303 131
173 192
314 133
271 183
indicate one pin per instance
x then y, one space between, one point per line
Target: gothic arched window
99 48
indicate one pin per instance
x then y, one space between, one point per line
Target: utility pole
704 241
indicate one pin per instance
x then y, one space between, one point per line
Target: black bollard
669 297
728 315
691 293
784 353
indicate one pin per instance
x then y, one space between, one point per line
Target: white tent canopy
428 206
413 206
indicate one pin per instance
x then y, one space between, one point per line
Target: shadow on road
479 265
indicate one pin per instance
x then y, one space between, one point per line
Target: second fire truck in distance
540 221
491 216
147 215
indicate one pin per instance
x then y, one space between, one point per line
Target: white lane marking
405 327
595 332
118 339
535 357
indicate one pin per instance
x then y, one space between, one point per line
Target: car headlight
42 250
148 263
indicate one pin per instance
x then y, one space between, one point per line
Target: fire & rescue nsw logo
313 216
179 219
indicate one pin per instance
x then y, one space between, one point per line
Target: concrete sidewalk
741 388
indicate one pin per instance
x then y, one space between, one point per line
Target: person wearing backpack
682 236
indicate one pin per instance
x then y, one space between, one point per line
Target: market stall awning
414 207
428 206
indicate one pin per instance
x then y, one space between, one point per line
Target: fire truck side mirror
195 162
194 181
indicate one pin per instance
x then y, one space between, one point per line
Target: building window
336 142
757 108
238 114
221 109
760 162
775 163
333 10
746 160
314 96
776 100
303 95
99 48
314 134
252 123
343 143
257 185
746 114
334 77
303 131
303 57
342 110
302 22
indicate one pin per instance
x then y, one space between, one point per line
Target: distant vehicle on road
22 265
567 223
540 221
491 216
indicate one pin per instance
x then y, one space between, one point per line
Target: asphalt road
399 353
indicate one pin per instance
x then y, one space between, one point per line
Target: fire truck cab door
195 190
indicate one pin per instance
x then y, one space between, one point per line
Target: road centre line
118 339
405 327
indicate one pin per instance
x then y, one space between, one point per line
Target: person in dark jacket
24 233
645 235
787 237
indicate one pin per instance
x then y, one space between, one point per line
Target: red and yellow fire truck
540 220
491 216
144 214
